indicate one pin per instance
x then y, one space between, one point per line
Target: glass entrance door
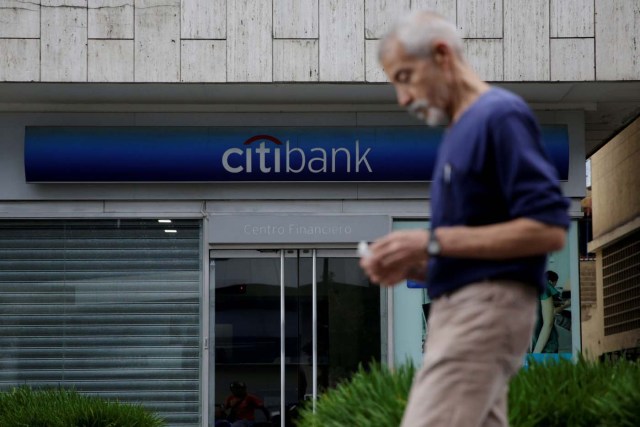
287 325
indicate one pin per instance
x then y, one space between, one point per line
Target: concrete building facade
265 131
615 326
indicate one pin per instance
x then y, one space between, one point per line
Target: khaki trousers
476 342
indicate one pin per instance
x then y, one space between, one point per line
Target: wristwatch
433 246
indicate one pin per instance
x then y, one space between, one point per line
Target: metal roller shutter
109 307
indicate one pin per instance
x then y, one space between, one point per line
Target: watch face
434 247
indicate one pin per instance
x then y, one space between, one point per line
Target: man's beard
427 113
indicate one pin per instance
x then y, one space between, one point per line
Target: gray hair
417 31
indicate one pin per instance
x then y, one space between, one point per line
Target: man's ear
441 52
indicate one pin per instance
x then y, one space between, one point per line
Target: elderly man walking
497 210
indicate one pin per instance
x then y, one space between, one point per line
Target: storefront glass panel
409 302
559 306
283 365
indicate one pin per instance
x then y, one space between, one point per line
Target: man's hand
397 256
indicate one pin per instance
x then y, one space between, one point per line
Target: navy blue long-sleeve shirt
492 168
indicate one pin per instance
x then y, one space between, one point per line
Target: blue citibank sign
215 154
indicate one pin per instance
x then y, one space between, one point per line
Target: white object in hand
363 249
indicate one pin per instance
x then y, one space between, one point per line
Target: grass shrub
371 398
557 393
554 394
24 407
618 402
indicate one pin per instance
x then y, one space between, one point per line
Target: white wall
305 40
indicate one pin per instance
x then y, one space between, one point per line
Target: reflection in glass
247 331
348 320
247 325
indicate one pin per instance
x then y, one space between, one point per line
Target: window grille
621 285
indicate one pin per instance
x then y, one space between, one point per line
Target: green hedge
373 397
24 407
557 394
581 394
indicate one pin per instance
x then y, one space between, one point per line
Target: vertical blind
108 307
